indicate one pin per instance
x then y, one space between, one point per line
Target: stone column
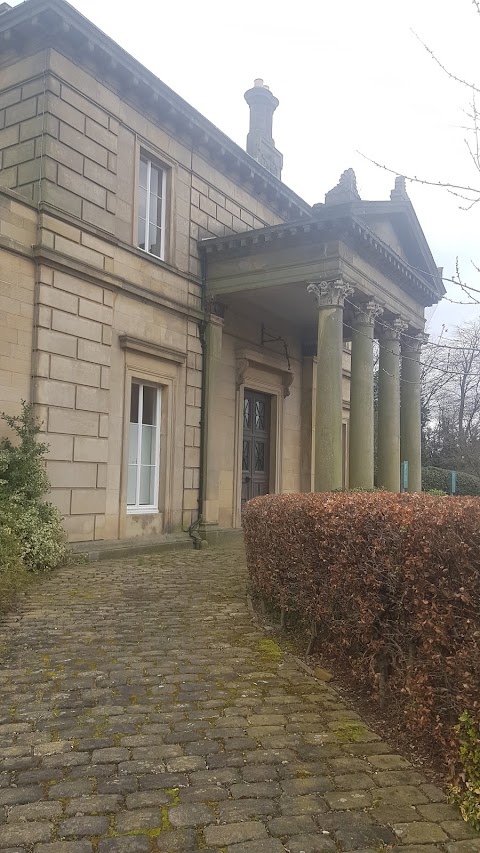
211 457
411 410
361 455
388 476
330 296
307 412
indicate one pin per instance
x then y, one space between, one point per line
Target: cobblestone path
142 710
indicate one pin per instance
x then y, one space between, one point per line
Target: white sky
350 77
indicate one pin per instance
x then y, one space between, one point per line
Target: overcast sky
350 76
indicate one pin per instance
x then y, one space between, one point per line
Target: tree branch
444 68
413 179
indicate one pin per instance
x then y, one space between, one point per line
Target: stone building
190 331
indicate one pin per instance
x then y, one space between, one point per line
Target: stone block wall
192 423
80 162
68 142
51 132
22 124
81 390
87 142
17 296
219 207
71 390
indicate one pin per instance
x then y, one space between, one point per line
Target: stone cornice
327 224
16 196
246 358
15 247
69 265
38 24
150 348
110 239
62 216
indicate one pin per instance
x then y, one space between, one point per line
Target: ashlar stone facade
197 326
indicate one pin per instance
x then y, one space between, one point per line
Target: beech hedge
389 584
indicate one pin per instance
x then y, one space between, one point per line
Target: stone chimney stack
4 7
260 143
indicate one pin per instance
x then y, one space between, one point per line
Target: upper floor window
151 207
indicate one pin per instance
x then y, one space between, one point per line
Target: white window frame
150 161
136 509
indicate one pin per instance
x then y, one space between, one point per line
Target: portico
399 416
331 288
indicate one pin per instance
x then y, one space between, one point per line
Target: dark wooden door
255 446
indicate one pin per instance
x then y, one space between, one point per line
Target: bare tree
468 194
451 400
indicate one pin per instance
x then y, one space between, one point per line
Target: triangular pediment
396 224
389 233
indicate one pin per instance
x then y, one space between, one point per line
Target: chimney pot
260 142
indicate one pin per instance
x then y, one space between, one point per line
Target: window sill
143 510
150 255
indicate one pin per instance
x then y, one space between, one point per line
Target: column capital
330 293
394 331
414 343
366 314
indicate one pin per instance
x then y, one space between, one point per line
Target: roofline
324 217
151 92
404 206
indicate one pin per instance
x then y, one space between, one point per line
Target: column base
208 530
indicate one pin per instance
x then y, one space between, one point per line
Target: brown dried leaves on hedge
392 583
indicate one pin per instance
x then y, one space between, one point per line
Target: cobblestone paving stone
143 710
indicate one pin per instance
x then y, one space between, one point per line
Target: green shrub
13 572
438 479
38 528
466 793
31 533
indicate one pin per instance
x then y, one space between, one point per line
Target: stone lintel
55 260
150 348
246 358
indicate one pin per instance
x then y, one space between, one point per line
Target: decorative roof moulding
343 226
399 192
345 191
38 24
